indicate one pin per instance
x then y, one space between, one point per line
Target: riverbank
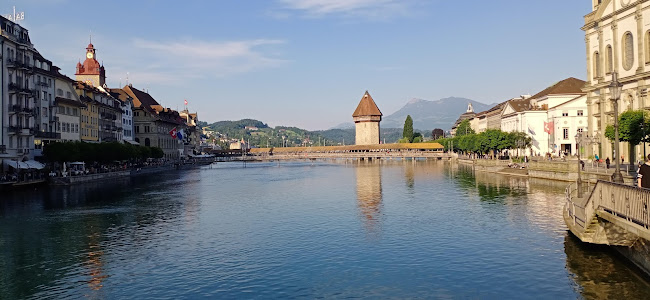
565 171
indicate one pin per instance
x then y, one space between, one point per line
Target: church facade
617 38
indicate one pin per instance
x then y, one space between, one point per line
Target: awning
132 142
15 164
34 164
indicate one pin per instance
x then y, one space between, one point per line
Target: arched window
147 142
596 68
628 51
610 59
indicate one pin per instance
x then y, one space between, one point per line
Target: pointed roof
367 107
567 86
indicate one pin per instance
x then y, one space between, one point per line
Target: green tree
464 128
408 129
630 129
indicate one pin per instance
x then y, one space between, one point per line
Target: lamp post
579 180
615 92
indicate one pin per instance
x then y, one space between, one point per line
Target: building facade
68 108
17 92
617 39
366 118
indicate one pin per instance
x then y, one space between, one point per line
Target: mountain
428 115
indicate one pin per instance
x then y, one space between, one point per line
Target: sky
307 63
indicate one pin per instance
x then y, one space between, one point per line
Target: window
580 130
565 132
580 113
68 95
59 92
147 142
610 59
137 129
628 51
565 113
596 68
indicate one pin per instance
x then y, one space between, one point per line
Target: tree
408 129
464 128
629 129
437 134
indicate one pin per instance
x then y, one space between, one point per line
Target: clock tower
91 71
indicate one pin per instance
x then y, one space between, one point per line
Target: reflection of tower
369 195
94 263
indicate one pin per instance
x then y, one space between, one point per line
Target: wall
367 133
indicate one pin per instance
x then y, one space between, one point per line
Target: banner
548 127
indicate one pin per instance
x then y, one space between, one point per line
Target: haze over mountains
428 115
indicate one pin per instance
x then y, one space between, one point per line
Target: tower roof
367 107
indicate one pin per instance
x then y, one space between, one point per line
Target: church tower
366 121
91 72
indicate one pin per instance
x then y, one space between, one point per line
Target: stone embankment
552 170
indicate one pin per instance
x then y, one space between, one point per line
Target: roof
140 98
567 86
367 107
66 101
425 146
120 94
520 104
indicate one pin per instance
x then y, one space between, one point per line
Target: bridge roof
387 147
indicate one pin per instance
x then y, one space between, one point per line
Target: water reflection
369 195
598 274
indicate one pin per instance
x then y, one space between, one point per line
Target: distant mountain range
428 115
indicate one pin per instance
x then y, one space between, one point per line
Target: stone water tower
366 121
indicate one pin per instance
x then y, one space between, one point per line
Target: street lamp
579 180
615 92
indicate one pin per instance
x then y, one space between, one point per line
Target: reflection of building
366 121
369 194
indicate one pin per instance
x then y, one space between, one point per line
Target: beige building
617 38
366 120
68 109
152 123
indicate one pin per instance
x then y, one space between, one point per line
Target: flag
173 132
531 131
185 101
548 127
179 135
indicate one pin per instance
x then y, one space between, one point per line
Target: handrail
618 200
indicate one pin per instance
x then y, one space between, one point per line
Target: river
393 229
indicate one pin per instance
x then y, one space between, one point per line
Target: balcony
23 151
26 131
13 129
14 88
16 108
48 135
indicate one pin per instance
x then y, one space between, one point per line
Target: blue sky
307 63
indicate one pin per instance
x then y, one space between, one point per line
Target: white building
568 119
531 115
617 39
17 121
68 109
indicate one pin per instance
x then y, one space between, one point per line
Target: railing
621 201
49 135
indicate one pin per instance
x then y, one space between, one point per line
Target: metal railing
621 201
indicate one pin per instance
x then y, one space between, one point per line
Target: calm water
304 230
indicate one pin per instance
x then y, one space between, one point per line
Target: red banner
548 127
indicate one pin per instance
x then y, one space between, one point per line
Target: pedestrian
607 162
582 163
622 159
597 157
643 176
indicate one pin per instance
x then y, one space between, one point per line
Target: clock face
89 55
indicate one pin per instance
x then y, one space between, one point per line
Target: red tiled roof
367 107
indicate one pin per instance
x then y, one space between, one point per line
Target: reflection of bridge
361 152
612 214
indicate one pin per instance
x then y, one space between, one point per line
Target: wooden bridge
360 152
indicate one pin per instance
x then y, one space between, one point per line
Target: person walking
607 162
643 176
